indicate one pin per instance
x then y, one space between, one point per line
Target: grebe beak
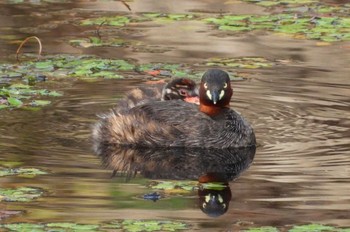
215 96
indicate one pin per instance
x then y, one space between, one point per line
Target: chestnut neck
212 110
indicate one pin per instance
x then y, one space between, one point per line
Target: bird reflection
212 168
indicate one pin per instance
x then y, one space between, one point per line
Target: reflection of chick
177 88
179 124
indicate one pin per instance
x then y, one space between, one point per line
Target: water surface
299 110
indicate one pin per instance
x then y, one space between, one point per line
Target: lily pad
18 95
67 66
98 42
24 227
23 172
22 194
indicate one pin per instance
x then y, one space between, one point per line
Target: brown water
300 112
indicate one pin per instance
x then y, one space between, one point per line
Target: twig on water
99 29
25 41
126 5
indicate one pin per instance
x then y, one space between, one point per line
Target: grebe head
215 89
179 88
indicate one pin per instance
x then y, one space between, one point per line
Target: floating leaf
40 103
25 227
14 102
22 194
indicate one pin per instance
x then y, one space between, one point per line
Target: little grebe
177 123
177 88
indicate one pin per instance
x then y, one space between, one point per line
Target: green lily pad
14 102
25 227
40 103
18 95
23 172
98 42
22 194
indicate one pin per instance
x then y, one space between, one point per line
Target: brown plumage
177 123
177 88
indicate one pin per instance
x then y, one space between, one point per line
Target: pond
292 86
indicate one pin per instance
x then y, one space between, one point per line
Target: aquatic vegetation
65 66
21 95
125 225
263 229
22 194
118 21
22 172
151 225
174 186
168 17
299 228
281 2
97 42
243 62
328 29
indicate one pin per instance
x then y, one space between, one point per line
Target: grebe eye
183 92
205 85
225 85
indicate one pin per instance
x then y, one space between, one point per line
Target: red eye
183 92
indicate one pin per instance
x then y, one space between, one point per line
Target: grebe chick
179 124
177 88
